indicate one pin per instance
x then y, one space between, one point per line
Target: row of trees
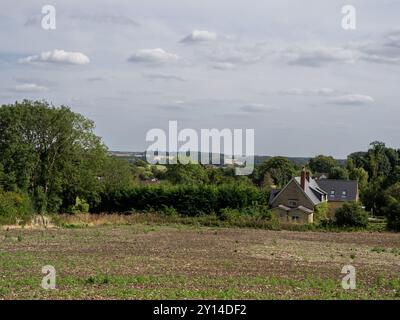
51 161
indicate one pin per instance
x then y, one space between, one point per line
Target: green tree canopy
49 152
279 169
322 163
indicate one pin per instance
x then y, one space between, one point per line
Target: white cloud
29 87
309 92
353 99
157 55
317 57
57 56
200 36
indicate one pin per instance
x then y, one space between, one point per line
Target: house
297 201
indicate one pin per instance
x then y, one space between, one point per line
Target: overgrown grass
240 221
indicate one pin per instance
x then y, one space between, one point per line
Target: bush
190 200
392 213
321 212
81 206
351 215
14 207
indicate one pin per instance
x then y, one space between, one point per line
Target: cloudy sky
285 68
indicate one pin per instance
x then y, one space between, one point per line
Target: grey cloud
107 19
160 76
317 57
257 108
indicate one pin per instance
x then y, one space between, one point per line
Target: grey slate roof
350 187
312 191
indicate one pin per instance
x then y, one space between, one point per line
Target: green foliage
188 199
186 174
351 215
321 212
14 207
322 164
361 175
80 206
279 169
50 153
338 173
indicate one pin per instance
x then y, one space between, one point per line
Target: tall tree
322 163
50 153
280 170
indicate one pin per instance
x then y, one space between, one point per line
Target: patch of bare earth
205 261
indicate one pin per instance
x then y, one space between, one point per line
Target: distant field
185 262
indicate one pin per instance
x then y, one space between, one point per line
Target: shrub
13 207
392 213
190 200
81 206
351 215
321 212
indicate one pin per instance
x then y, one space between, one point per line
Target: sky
285 68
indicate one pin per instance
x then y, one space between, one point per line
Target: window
344 193
295 218
292 203
332 194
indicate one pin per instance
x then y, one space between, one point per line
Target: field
150 261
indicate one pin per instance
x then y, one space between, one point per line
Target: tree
322 163
186 174
280 170
50 153
351 215
338 173
361 176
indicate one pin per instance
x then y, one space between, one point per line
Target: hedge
186 199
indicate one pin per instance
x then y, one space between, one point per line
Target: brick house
296 202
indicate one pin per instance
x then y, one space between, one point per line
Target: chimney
308 176
303 179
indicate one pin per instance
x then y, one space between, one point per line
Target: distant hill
132 156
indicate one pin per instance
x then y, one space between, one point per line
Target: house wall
304 218
280 214
287 217
292 192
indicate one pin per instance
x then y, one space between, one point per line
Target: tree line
51 161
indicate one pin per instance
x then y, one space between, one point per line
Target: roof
312 190
340 190
304 209
273 194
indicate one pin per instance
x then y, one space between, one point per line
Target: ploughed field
144 261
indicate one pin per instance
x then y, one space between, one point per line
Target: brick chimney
303 179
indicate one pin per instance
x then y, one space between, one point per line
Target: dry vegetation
147 260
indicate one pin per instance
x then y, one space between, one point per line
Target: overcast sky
285 68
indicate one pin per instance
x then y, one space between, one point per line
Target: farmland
174 261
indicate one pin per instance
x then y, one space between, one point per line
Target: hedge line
186 199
